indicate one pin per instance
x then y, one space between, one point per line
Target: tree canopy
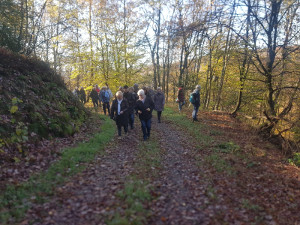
244 54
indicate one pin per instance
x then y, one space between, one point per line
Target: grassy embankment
16 200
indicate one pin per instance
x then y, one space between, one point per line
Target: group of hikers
131 101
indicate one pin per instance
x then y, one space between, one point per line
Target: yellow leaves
74 74
18 131
16 159
15 101
14 109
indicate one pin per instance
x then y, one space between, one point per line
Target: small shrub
228 147
295 159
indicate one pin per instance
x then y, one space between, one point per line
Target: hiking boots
195 119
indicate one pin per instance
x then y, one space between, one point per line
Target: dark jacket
159 101
82 94
150 93
94 95
122 119
180 95
145 115
131 99
196 96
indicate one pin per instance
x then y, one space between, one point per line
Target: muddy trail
175 177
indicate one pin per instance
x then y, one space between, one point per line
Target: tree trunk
157 47
246 62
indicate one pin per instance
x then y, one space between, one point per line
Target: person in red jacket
98 92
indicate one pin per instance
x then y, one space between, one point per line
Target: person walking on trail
95 97
146 91
131 90
119 113
136 88
131 105
150 92
82 95
98 92
105 98
195 100
144 108
159 102
180 98
109 91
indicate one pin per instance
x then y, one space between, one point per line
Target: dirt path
88 197
186 190
182 192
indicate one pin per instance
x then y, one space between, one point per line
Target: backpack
192 99
106 95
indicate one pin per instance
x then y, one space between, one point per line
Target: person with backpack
195 100
109 91
119 113
131 105
144 108
180 98
105 98
159 102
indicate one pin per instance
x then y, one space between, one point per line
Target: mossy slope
34 103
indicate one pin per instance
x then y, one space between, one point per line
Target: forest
244 54
61 161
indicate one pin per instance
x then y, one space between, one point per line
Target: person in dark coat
82 95
131 90
180 98
131 99
144 108
136 88
159 102
196 102
98 92
151 92
94 96
119 112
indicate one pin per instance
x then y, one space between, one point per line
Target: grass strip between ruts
136 194
193 129
215 156
16 200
